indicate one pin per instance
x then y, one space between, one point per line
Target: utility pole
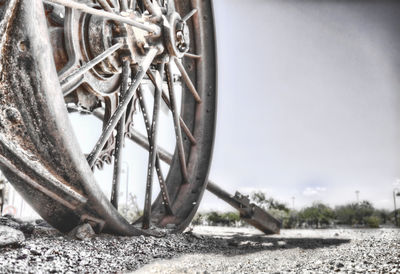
126 182
357 195
396 192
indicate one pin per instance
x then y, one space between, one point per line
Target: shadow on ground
242 243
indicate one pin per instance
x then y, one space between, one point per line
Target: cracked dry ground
208 250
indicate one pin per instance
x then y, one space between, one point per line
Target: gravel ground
206 250
299 251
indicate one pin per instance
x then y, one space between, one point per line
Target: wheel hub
99 33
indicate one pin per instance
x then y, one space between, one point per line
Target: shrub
372 221
225 219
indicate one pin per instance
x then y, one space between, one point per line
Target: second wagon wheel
127 63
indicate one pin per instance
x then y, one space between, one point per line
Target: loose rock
10 236
83 232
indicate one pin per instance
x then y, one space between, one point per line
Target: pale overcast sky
309 100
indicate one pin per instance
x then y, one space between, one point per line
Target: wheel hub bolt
182 36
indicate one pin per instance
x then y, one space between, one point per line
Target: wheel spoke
142 141
178 133
189 15
70 82
181 121
161 154
119 139
108 130
105 5
187 80
132 4
191 55
168 104
154 9
152 135
187 131
124 5
154 160
105 14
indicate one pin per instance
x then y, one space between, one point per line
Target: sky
309 101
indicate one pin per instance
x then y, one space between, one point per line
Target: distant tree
213 218
316 215
232 218
259 198
346 214
383 214
277 209
365 210
279 214
198 219
355 213
291 220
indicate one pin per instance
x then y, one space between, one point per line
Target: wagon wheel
102 58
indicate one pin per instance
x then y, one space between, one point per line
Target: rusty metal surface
39 153
249 212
